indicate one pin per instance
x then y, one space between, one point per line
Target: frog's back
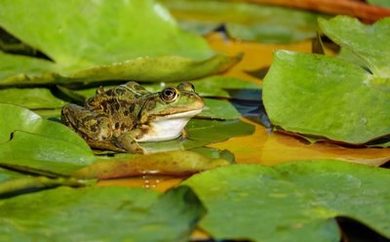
124 98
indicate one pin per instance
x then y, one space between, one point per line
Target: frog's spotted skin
119 118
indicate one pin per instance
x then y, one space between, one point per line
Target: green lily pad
174 163
18 70
292 202
198 27
100 214
383 3
6 175
219 109
13 183
368 42
343 99
325 96
33 98
28 141
10 44
245 21
50 114
85 47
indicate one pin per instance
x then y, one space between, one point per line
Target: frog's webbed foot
127 142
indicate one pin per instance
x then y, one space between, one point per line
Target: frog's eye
169 94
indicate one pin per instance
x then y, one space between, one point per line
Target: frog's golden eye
169 94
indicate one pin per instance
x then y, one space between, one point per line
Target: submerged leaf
146 43
245 21
292 202
103 214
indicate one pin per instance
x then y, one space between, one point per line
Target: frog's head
167 112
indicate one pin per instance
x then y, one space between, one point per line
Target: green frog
120 118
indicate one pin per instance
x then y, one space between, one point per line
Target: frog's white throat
167 127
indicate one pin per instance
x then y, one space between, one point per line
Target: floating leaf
325 96
85 47
174 163
32 98
245 21
100 214
198 27
219 109
292 202
10 44
6 175
50 114
29 142
368 42
13 183
17 70
384 3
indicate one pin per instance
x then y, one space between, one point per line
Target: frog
120 119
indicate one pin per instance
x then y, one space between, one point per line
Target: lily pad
33 98
13 183
100 214
245 21
175 163
85 47
384 3
325 96
292 202
6 175
10 44
336 98
219 109
18 70
368 42
27 140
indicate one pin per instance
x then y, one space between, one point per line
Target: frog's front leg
127 141
94 127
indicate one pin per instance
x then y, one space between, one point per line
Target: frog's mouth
167 127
